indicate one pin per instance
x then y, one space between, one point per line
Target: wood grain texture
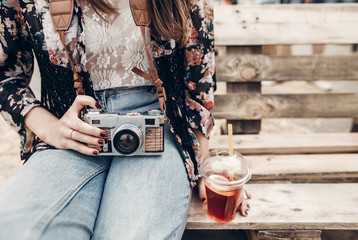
290 235
244 68
290 143
245 126
289 206
321 166
256 106
286 24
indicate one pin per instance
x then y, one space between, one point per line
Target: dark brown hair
170 18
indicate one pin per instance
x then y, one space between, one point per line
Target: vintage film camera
130 134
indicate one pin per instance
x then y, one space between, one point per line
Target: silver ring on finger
71 134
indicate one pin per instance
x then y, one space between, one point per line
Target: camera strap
141 14
61 14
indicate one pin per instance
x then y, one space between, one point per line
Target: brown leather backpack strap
141 14
153 76
61 14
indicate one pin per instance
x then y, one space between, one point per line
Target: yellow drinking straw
231 150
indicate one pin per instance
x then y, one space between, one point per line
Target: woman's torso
114 45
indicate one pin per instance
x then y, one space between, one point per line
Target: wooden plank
249 88
289 206
269 49
355 125
286 24
236 50
220 51
244 68
256 106
290 143
322 166
244 126
246 87
243 50
290 235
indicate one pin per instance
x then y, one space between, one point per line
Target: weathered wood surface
248 88
245 68
289 206
322 166
286 24
244 126
290 143
290 235
256 106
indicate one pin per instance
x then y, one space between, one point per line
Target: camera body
129 134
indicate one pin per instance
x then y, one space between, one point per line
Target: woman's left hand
242 205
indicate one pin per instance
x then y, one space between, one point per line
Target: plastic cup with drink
224 172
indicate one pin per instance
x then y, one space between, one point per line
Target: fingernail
95 153
98 106
103 134
203 200
248 205
101 141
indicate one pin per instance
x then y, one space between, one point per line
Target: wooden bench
301 183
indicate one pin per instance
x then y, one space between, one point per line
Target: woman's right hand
69 132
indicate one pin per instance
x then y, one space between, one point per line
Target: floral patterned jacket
187 72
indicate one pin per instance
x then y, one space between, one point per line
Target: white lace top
114 47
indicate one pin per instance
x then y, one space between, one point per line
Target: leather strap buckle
161 93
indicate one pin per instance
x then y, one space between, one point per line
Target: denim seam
48 216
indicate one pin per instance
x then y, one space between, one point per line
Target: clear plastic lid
223 171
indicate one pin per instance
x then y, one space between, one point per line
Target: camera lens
127 139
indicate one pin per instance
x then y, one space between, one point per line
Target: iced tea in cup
224 178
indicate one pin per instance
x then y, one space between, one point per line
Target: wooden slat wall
247 88
256 106
253 68
240 26
286 24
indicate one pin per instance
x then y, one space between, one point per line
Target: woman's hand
242 204
69 132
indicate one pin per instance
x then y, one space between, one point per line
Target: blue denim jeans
62 194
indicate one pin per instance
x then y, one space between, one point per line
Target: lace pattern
114 47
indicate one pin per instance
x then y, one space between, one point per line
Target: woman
66 191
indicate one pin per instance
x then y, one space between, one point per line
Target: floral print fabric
26 27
